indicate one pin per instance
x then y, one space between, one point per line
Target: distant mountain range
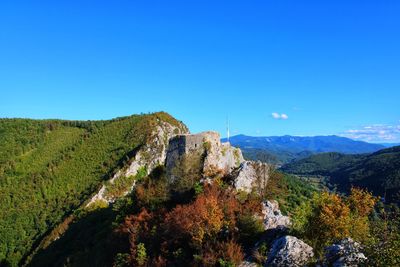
390 144
284 149
379 171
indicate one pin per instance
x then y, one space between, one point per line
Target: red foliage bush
199 233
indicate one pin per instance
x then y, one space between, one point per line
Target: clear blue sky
333 67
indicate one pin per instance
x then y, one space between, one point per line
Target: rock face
154 152
346 253
248 264
252 174
289 251
149 156
217 158
272 216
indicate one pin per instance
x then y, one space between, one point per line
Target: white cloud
278 116
375 133
284 116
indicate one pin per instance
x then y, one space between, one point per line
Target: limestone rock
217 158
272 216
346 253
252 174
149 156
248 264
221 158
154 152
289 251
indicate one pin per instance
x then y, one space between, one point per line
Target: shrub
151 194
383 248
98 204
250 227
231 253
121 260
198 221
198 188
120 186
141 255
327 218
203 232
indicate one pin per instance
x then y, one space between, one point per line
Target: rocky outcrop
218 159
154 152
221 158
346 253
273 217
150 155
248 264
252 174
289 251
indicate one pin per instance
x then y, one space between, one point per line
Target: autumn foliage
333 218
204 232
328 217
202 219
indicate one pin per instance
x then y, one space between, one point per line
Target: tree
328 218
199 220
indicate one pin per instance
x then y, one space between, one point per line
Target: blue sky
330 67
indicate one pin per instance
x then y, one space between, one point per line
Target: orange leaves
135 225
203 218
333 218
330 217
203 232
231 252
228 253
341 217
361 201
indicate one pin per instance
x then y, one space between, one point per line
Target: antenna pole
227 128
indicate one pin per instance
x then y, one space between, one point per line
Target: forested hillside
101 243
284 149
379 171
50 167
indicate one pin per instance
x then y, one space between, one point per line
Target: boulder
346 253
273 217
289 251
251 175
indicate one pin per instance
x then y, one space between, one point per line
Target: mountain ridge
48 168
287 148
378 171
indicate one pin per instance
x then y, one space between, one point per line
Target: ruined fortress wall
183 144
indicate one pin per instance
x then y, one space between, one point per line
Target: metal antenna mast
227 128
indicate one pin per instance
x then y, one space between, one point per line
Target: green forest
48 168
378 172
163 224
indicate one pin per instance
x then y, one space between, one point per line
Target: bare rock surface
252 174
346 253
273 217
219 159
248 264
149 156
289 251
